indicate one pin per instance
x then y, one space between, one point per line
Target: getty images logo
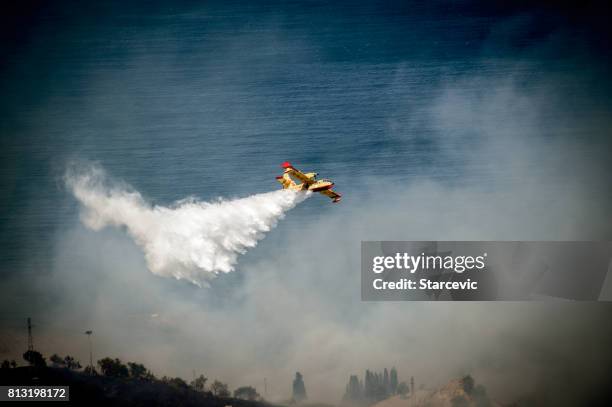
410 263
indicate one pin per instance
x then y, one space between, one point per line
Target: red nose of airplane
286 164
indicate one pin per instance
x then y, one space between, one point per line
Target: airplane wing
336 197
294 172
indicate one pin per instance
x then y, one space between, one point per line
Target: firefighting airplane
308 181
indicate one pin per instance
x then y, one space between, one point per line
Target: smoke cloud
190 240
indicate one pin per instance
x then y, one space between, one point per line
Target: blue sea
183 99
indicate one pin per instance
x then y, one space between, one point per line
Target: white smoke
191 239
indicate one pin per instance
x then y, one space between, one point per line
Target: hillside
101 390
455 393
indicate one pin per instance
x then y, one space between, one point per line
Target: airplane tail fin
286 181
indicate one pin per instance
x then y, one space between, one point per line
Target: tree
34 358
468 384
199 383
354 392
90 370
219 389
299 389
386 383
5 364
113 368
67 362
139 371
393 381
56 360
368 385
376 386
175 382
403 389
71 363
246 393
13 364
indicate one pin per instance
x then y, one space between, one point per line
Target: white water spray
190 239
